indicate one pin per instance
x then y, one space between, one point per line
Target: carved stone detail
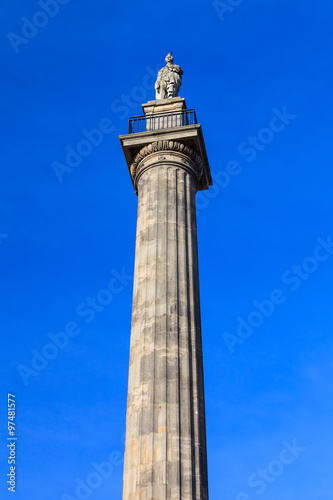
167 146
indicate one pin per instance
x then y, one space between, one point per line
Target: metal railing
161 121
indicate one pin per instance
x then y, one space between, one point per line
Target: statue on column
169 79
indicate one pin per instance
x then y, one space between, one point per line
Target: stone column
165 451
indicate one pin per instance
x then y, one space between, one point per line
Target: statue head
169 58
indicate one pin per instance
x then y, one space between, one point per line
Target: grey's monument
165 447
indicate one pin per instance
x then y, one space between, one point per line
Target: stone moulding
159 146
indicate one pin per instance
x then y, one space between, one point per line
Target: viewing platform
161 121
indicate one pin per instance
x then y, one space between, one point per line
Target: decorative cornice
167 146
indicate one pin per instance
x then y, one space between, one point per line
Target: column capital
188 135
152 155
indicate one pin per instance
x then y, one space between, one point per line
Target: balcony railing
161 121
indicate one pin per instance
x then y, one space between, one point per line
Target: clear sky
259 74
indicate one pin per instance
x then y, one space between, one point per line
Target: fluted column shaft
165 450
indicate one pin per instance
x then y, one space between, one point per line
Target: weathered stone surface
165 451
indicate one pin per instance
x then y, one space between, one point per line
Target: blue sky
64 237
